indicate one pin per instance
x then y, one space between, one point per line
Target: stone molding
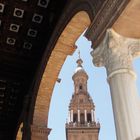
116 52
40 129
110 11
121 71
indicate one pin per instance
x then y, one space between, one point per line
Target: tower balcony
85 125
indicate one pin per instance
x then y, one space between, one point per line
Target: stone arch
62 44
63 48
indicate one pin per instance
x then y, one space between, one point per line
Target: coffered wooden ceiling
25 29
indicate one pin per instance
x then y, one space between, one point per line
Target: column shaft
85 116
78 115
124 101
92 116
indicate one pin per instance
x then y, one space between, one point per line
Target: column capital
40 130
116 52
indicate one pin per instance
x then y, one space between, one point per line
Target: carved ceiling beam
109 12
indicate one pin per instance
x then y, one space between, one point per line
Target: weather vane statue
79 54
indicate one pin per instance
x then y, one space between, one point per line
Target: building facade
81 124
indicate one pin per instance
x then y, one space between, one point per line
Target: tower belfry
81 124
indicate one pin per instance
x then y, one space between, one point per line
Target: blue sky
97 87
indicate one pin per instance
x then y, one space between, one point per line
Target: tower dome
79 67
79 70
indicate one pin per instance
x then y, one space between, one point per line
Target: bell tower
81 124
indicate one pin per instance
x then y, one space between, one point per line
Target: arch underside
65 46
25 53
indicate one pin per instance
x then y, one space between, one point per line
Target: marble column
78 116
92 116
85 116
116 53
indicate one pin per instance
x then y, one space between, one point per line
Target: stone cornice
40 129
109 12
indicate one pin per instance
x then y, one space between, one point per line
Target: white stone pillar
78 115
92 116
71 115
85 116
116 53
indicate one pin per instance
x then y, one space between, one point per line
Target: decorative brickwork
82 124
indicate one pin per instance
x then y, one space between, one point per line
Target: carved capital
134 47
116 52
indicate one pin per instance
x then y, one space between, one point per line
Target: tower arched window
75 117
89 117
80 87
82 118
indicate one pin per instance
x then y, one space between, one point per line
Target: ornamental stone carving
116 52
104 19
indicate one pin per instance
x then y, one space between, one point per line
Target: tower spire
79 61
79 54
